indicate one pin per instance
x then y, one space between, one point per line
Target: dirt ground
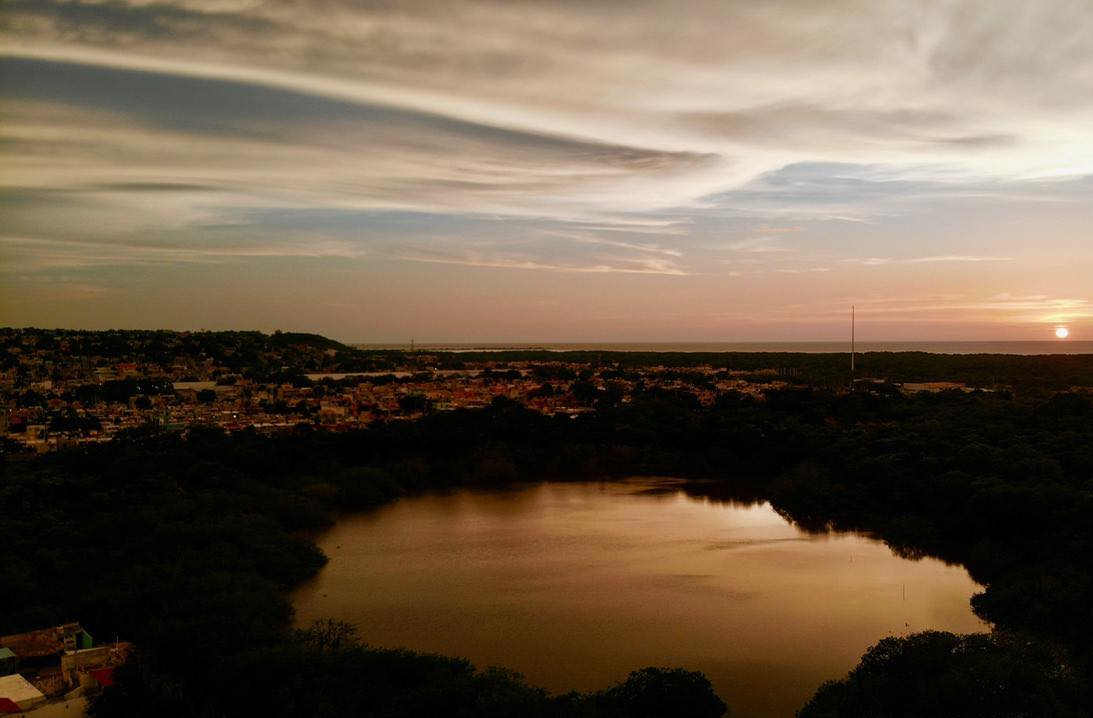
75 708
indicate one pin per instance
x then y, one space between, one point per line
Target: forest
187 545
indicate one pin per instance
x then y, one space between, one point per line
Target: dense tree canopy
188 545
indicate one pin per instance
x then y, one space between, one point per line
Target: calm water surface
575 585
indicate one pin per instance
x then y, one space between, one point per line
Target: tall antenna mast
853 328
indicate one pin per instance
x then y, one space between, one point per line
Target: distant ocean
1026 347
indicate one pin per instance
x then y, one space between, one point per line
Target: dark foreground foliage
326 673
188 546
941 674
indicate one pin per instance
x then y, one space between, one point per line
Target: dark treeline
1027 373
188 546
253 354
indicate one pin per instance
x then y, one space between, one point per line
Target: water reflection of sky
576 584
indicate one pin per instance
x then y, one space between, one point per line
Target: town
61 388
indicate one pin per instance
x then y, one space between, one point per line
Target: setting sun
1062 333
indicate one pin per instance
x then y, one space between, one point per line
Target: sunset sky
523 171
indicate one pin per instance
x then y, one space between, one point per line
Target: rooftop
40 643
20 691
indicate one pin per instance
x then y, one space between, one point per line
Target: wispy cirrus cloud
622 266
757 245
1038 309
957 258
933 259
28 254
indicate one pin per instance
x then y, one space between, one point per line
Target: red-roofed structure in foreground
105 676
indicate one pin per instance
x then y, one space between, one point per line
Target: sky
549 171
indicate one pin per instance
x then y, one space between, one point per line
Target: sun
1062 332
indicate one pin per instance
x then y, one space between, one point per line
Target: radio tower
852 339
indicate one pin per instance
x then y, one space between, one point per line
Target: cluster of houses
57 414
48 665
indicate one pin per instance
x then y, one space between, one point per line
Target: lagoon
576 584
